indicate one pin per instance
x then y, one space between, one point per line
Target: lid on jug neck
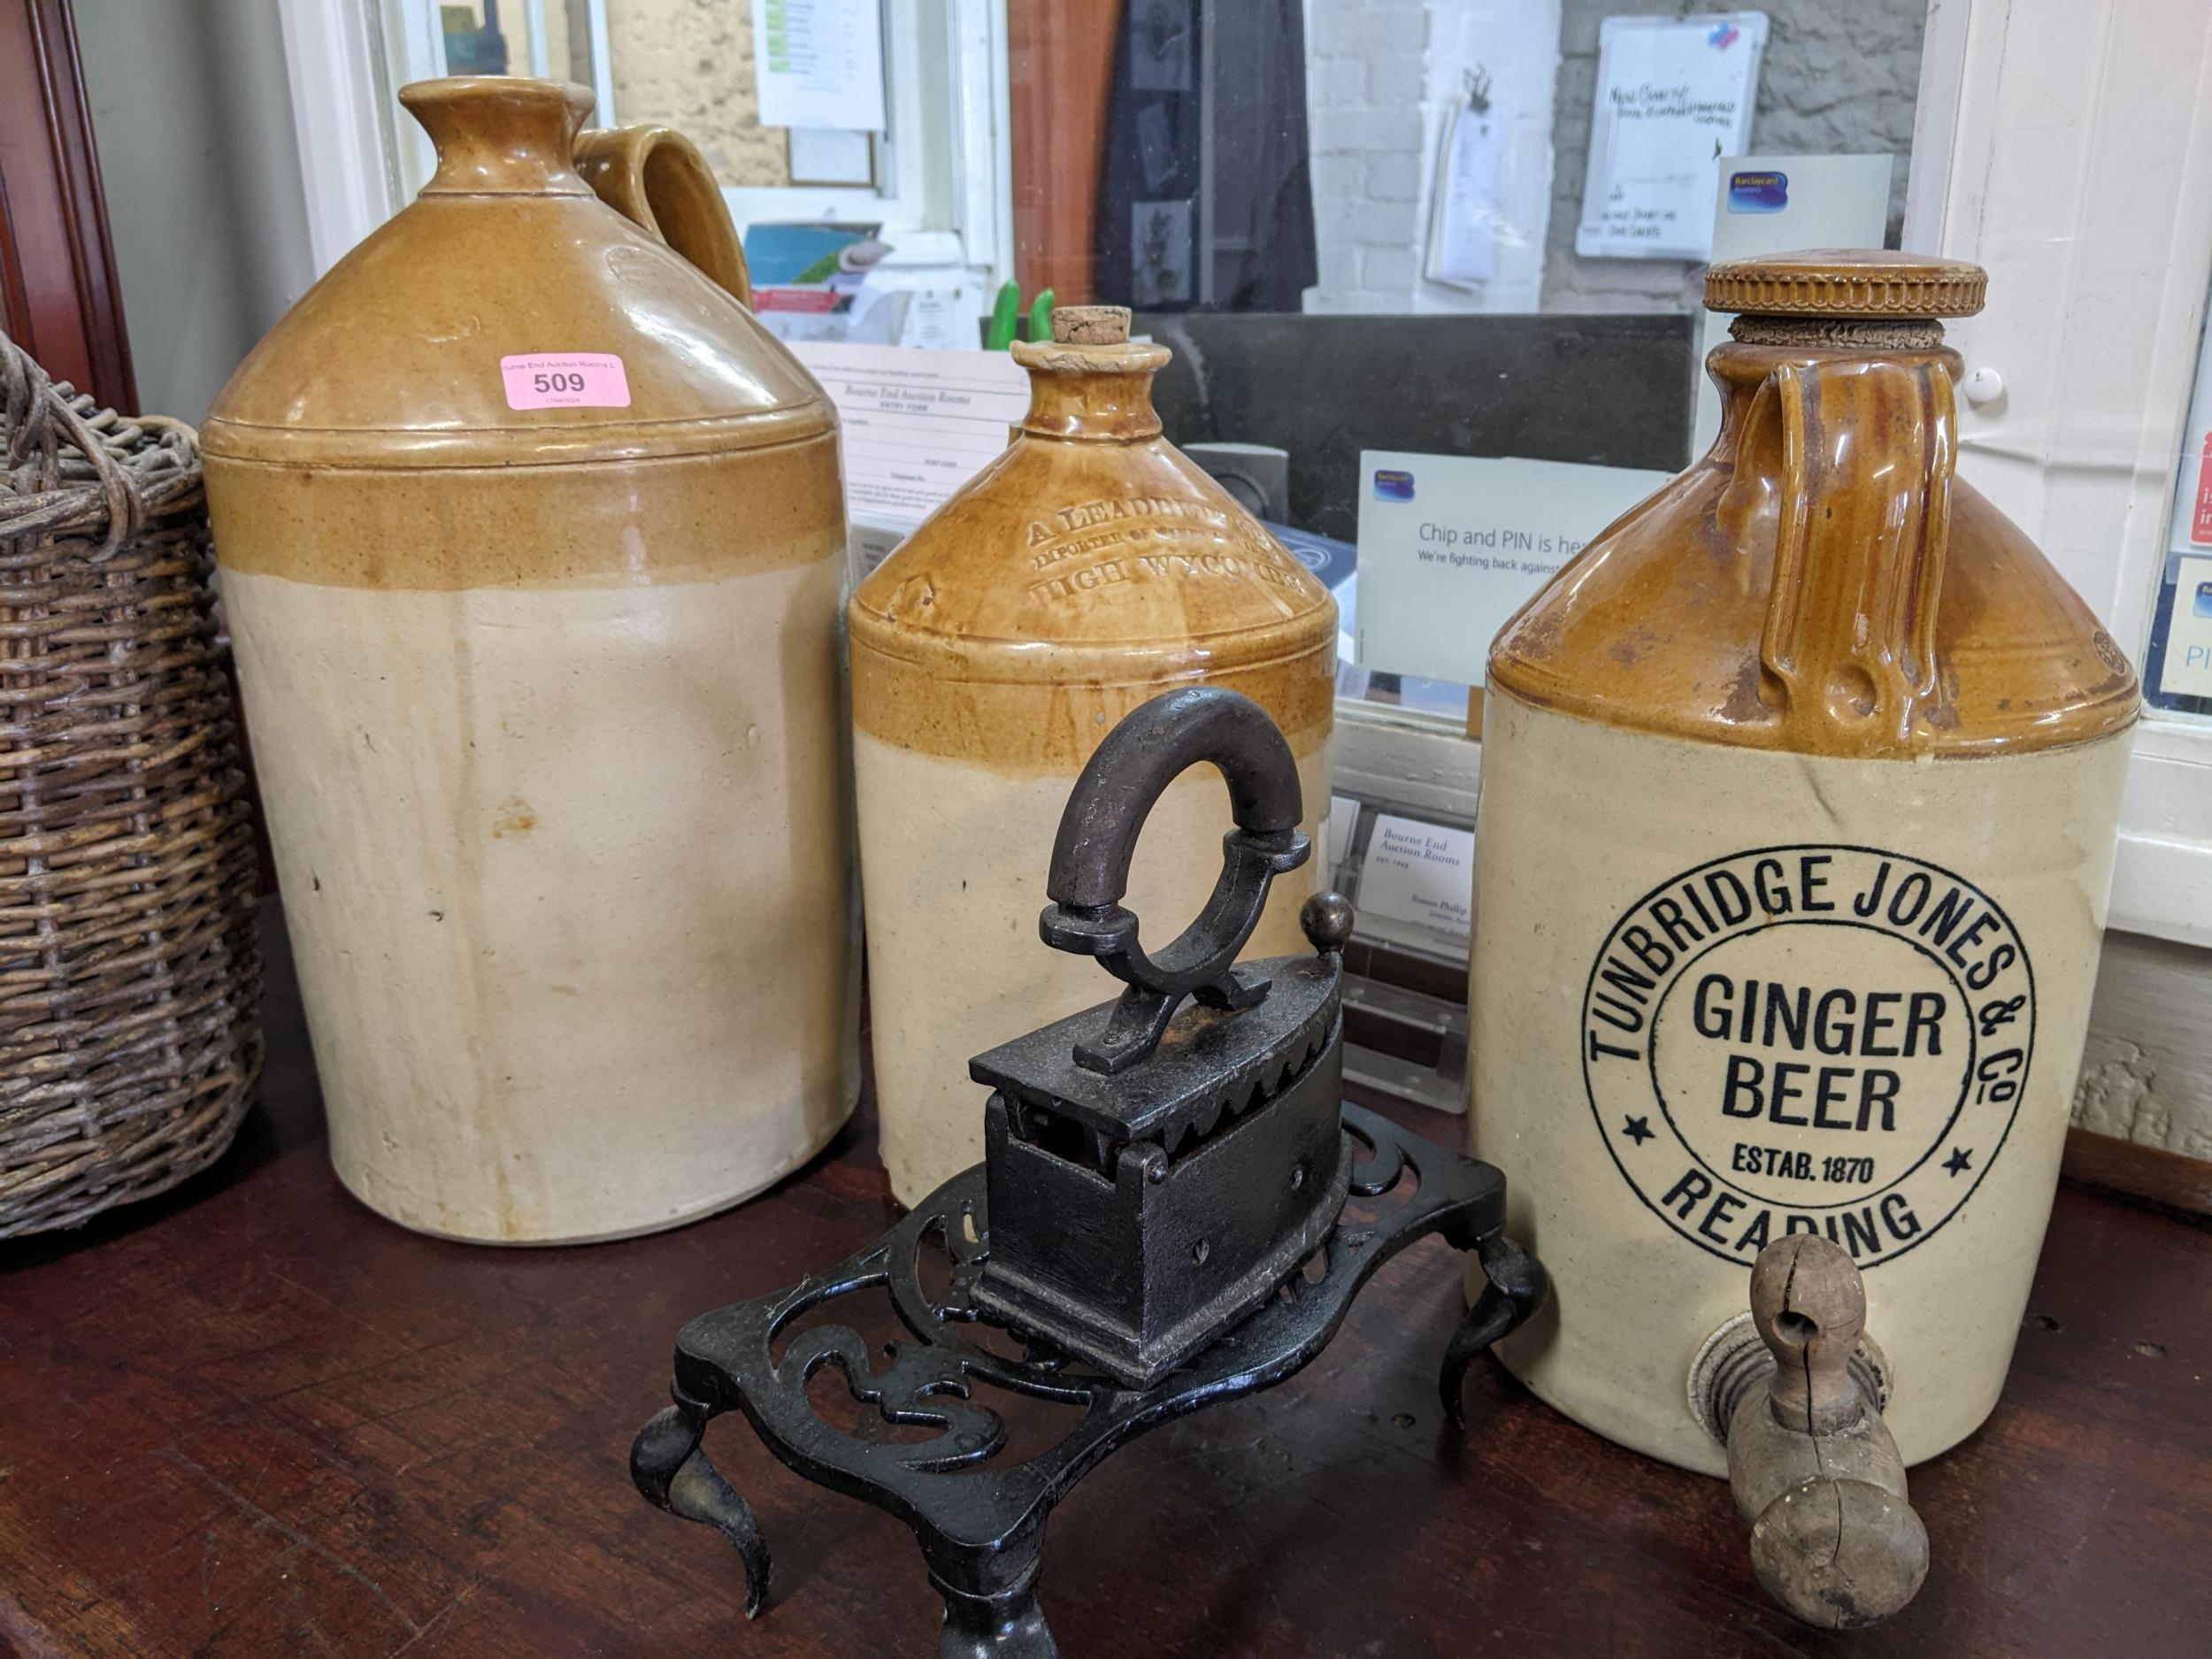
501 134
1845 297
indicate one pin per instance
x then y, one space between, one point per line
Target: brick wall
1366 66
689 64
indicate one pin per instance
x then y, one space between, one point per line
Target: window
1343 214
931 177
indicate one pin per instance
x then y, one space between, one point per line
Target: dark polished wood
59 298
251 1418
1060 60
2134 1170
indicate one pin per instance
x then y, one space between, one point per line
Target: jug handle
1868 451
656 178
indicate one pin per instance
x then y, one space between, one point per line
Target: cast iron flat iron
1152 1175
1172 1212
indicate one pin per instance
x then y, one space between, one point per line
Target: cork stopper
1090 324
1845 283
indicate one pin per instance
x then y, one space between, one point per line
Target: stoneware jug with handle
1800 795
529 535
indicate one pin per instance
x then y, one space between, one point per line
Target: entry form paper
916 425
819 63
1450 546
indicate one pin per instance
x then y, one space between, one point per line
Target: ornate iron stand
1184 1217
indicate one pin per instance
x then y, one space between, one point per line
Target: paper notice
916 425
1451 546
1336 836
1464 243
819 63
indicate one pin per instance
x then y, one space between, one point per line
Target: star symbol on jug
1638 1129
1960 1160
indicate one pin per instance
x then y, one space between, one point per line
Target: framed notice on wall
1673 96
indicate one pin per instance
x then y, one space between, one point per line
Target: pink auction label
565 379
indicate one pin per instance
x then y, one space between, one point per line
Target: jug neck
501 134
1091 393
1758 346
1839 439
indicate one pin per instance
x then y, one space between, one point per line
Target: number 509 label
564 379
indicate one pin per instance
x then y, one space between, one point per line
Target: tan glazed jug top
403 355
1821 581
1091 550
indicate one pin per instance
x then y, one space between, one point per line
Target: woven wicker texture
129 979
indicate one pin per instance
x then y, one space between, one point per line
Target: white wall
193 117
1382 77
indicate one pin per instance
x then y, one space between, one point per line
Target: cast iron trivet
1182 1215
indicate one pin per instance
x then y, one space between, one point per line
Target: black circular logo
1815 1039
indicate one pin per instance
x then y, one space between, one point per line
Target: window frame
2094 334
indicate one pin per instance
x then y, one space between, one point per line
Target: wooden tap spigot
1813 1466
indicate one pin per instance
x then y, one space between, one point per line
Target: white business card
1420 876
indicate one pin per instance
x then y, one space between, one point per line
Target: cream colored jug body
1800 793
1723 995
540 672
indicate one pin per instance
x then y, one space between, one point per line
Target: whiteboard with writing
1673 95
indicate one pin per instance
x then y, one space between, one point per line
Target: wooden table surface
251 1418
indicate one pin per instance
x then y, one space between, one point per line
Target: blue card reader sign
2185 667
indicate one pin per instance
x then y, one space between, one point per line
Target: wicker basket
130 979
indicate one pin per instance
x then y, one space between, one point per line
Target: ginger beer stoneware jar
529 538
1088 568
1799 804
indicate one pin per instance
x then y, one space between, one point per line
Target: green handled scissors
1007 309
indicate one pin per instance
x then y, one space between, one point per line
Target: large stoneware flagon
1800 795
529 538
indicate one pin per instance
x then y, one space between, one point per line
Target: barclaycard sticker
1762 191
564 379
